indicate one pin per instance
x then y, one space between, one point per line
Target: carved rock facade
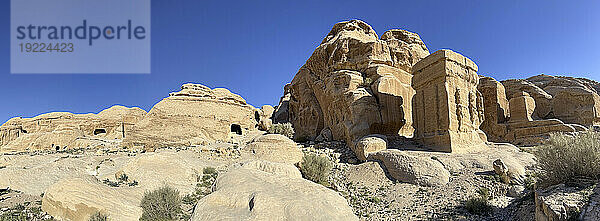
61 130
447 107
193 116
516 122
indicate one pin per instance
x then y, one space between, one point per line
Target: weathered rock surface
154 170
509 171
61 130
369 144
562 202
496 108
195 115
416 170
264 117
448 109
516 123
356 84
571 100
274 148
281 114
249 194
79 198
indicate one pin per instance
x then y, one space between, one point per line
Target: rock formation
195 115
270 191
417 170
274 148
61 130
571 100
80 198
447 107
516 122
355 84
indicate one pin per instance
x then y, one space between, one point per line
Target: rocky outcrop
274 148
416 170
281 114
249 192
369 144
571 100
355 84
62 130
195 115
264 117
516 122
79 198
568 202
447 107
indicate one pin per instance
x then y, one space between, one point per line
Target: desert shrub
316 168
161 204
479 204
284 129
565 158
123 177
98 217
203 187
484 192
366 82
209 170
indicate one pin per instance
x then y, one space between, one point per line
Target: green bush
566 158
123 177
98 217
366 82
209 170
161 204
316 168
478 205
284 129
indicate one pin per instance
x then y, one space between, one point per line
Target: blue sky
255 47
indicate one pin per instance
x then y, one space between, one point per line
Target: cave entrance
235 128
99 131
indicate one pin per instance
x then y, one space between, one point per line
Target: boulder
62 130
79 198
325 135
274 148
418 170
245 193
369 144
510 172
195 115
355 84
568 202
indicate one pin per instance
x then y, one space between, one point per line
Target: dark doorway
236 129
257 116
99 131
